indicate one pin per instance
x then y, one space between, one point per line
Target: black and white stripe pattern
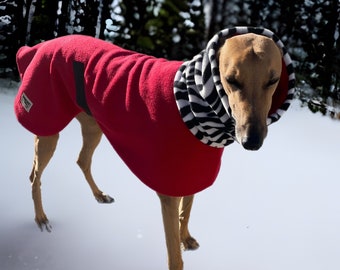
201 99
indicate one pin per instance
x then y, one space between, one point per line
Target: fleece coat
130 95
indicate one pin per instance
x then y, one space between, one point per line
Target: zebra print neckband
202 101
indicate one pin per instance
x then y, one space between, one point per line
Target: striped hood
202 101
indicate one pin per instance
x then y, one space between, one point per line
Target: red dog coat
130 95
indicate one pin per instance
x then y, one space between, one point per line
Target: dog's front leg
189 243
171 227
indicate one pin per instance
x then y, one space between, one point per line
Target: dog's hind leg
170 214
43 152
189 243
91 137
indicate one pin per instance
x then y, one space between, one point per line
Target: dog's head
250 69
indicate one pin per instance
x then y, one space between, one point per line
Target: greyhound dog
243 82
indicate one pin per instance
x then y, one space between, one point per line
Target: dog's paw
44 224
104 198
190 243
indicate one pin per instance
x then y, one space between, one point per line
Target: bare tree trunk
330 62
30 9
64 18
104 14
212 21
91 17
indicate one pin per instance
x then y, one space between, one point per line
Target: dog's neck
202 102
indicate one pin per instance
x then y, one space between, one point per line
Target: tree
319 37
44 21
64 18
10 35
85 17
310 29
104 14
176 29
171 28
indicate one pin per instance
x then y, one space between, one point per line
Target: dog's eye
272 82
233 82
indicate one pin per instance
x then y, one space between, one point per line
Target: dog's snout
251 137
253 142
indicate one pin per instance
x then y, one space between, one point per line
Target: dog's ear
218 56
281 51
220 44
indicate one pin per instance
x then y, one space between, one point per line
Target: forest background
179 29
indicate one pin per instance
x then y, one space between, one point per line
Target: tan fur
250 66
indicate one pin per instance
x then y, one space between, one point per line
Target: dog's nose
251 142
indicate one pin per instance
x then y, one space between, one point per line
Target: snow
277 208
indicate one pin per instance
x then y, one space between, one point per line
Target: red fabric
280 94
131 97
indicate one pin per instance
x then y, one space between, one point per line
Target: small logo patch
26 102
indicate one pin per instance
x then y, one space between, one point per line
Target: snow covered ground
277 208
